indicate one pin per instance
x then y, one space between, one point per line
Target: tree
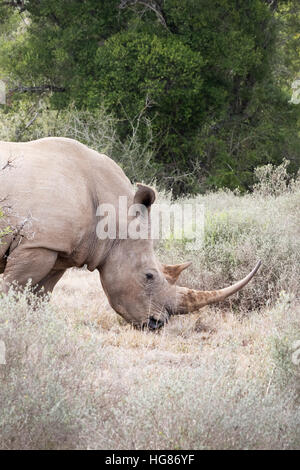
203 72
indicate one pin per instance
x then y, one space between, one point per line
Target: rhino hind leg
25 264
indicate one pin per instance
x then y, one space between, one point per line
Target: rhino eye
149 276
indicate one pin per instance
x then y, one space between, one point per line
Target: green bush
158 74
211 79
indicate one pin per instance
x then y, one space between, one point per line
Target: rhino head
144 291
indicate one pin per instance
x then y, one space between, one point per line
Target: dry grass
239 230
77 376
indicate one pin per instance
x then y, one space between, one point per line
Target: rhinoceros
50 191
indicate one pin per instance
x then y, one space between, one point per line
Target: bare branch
20 4
32 120
36 89
273 4
8 164
151 4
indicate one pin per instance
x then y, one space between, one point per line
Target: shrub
273 180
239 230
6 230
96 129
40 393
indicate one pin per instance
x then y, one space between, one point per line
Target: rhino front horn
189 300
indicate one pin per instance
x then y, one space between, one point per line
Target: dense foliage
211 77
77 377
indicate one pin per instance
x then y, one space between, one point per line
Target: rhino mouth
154 324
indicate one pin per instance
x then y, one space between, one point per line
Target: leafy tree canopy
212 76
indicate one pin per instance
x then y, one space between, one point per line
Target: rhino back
52 187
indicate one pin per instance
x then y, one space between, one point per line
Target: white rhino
50 190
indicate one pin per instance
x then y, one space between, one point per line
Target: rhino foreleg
25 264
46 285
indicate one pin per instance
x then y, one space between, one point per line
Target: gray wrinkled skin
50 190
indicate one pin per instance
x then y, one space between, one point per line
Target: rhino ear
173 271
144 195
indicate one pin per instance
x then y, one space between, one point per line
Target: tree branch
151 4
20 4
273 4
36 89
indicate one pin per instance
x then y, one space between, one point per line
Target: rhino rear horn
173 271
